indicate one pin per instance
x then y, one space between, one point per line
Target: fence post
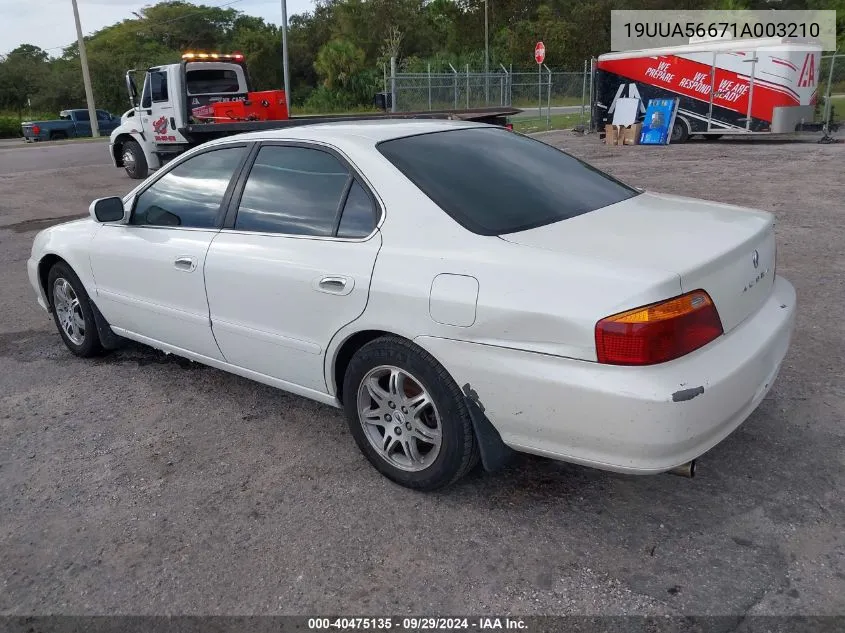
455 79
505 81
429 87
539 90
510 86
584 93
549 100
467 86
393 84
826 126
590 102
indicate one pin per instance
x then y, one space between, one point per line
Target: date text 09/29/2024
417 624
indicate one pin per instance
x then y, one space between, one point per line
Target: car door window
146 97
189 195
292 190
103 116
82 116
158 83
359 213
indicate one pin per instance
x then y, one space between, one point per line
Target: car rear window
212 81
493 181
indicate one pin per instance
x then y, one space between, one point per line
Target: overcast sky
49 23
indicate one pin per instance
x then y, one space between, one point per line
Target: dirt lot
143 484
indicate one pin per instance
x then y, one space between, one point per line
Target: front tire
72 312
680 131
134 161
408 415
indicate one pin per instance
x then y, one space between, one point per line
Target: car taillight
509 126
36 130
658 332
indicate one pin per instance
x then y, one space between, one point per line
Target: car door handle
335 284
188 264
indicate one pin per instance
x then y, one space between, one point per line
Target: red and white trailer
747 86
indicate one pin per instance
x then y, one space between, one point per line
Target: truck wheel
134 161
680 132
408 415
58 136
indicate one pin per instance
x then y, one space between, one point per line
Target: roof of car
372 131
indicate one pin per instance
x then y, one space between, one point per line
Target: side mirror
107 210
131 89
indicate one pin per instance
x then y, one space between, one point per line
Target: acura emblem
755 259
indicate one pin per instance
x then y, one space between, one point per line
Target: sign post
540 57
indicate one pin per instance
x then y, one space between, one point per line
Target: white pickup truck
172 113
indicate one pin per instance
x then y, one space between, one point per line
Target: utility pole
486 58
86 76
285 54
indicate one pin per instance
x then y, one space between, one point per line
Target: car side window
190 194
103 116
158 83
292 190
82 115
359 213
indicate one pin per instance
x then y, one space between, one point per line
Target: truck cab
173 97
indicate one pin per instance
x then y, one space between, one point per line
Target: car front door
149 272
105 122
82 123
293 262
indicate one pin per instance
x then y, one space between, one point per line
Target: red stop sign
540 52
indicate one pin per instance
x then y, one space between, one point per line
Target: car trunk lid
727 251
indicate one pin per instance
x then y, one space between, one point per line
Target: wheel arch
108 339
345 351
44 265
493 451
117 149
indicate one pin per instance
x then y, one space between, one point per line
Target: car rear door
293 262
149 273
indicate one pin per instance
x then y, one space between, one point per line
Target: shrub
10 127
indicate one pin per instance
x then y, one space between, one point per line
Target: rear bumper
628 419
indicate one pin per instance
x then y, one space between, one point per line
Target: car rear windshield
212 81
493 181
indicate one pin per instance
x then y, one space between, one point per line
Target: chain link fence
540 94
830 106
551 93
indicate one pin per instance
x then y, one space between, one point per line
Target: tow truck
208 96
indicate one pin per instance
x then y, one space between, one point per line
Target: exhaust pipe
684 470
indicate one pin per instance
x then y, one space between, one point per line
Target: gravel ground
143 484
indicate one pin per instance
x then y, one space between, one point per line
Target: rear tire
72 311
408 415
680 131
134 161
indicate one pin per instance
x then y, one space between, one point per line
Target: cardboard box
631 134
611 134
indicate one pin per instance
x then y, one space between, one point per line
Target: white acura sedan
461 291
